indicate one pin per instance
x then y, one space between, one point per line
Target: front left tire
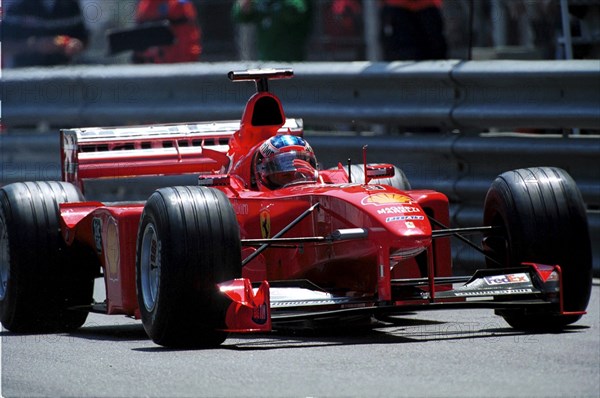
188 241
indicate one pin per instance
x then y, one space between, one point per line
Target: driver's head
285 159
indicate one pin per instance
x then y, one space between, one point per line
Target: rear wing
153 150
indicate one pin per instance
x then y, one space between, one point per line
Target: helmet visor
288 167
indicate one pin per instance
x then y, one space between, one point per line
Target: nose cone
402 217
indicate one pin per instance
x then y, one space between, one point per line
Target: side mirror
377 171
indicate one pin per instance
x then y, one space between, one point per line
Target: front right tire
541 218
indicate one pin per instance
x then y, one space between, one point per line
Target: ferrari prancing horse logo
265 224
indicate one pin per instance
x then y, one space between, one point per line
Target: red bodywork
398 245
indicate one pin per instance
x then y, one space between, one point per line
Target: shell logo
381 199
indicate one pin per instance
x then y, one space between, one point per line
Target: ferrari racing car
267 239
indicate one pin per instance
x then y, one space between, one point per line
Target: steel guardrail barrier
448 94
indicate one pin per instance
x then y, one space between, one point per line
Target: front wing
532 287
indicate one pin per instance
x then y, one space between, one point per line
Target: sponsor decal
240 208
374 188
260 314
404 218
97 232
553 277
345 185
398 210
266 149
410 224
265 224
382 199
493 292
506 279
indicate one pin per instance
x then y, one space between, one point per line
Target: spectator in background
42 32
282 27
343 26
412 30
347 15
182 17
543 18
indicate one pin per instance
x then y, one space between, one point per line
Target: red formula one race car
267 240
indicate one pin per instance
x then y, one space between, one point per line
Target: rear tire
188 241
41 278
398 181
542 219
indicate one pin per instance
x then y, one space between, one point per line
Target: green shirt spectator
282 27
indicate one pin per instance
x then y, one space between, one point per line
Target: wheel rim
150 266
4 259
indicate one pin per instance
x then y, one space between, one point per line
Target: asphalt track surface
467 353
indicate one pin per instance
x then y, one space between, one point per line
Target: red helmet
285 159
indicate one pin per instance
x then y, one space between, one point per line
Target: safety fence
447 94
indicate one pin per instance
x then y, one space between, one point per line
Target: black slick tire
188 241
42 278
542 219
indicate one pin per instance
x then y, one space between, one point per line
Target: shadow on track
389 330
392 331
119 332
400 331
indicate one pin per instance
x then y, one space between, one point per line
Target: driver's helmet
283 160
